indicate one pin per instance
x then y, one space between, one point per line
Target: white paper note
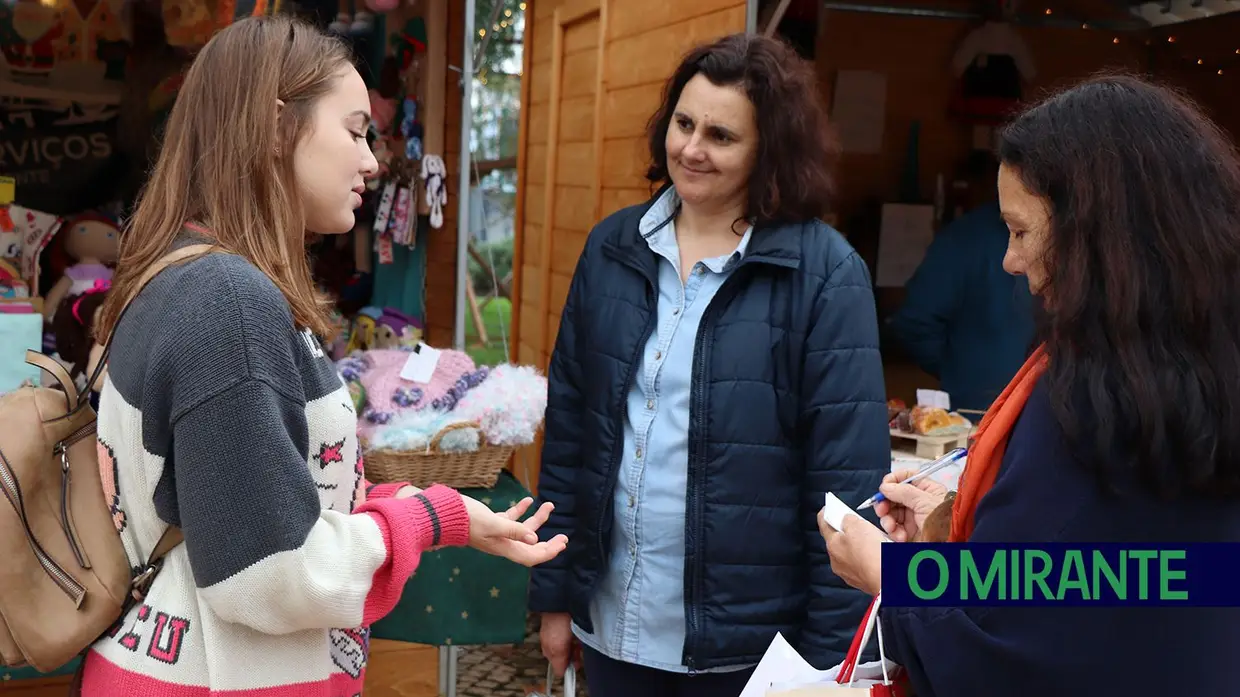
934 398
421 364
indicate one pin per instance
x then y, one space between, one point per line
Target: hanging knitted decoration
411 130
433 173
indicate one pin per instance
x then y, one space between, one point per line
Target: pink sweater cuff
383 491
434 518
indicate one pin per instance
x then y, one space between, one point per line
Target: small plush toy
92 240
395 329
434 172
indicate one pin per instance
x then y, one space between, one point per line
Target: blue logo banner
1075 575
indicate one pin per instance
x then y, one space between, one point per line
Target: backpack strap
176 256
141 582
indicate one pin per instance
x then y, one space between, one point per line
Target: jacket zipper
694 568
71 588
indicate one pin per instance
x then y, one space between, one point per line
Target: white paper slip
934 398
835 510
421 364
780 664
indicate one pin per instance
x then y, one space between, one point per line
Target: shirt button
699 271
658 355
639 453
650 404
632 502
676 311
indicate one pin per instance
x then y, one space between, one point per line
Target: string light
521 7
1048 10
1218 65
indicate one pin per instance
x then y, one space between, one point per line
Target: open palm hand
505 535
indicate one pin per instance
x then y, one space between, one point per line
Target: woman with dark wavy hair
716 372
1123 205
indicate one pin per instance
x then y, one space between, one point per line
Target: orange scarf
989 444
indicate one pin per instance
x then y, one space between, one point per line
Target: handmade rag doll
93 241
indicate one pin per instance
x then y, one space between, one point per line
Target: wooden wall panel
441 246
593 75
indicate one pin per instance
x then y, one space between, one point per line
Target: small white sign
421 364
934 398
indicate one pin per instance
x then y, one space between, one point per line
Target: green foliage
499 254
504 34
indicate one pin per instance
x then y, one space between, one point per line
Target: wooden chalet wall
441 247
593 74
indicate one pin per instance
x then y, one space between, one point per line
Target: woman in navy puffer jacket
716 372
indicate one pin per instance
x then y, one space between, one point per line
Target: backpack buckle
142 582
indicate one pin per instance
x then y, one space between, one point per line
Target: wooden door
593 74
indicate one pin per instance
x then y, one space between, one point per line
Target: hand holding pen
903 509
947 460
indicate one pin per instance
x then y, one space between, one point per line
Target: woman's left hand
856 553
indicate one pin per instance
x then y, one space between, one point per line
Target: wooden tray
929 447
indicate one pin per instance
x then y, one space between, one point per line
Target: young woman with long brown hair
221 415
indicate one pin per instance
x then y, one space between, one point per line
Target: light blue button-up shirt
638 610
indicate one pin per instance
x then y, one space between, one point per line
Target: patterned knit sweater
219 416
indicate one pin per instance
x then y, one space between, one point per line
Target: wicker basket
421 468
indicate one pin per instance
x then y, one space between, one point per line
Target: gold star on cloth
494 592
430 609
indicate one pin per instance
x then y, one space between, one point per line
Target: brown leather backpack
65 579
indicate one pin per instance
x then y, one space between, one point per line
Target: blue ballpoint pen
948 459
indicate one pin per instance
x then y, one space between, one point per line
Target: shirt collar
657 229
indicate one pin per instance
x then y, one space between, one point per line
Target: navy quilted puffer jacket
787 403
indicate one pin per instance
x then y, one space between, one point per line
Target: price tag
421 364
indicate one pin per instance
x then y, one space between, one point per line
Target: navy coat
787 403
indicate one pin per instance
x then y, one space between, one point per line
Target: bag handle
57 371
869 624
570 681
174 257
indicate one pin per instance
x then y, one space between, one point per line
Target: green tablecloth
458 595
462 596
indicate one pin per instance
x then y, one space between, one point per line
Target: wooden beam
434 85
600 106
485 167
523 136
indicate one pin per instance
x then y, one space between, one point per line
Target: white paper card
780 664
834 511
421 364
934 398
